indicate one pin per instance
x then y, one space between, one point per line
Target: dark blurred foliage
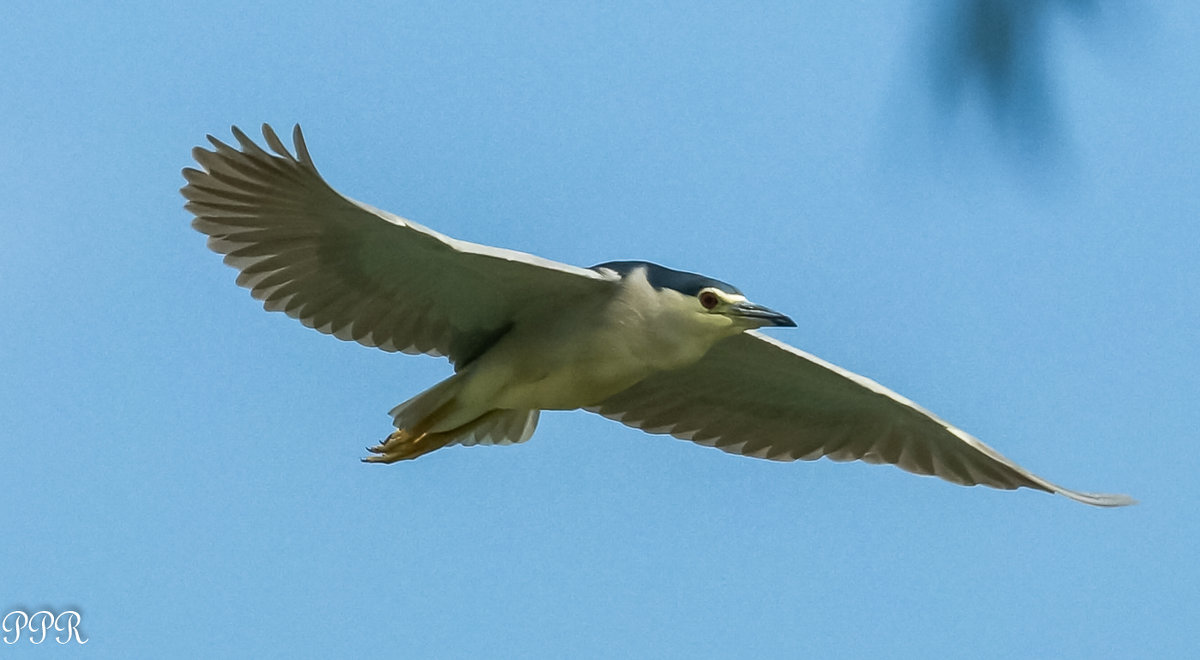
998 50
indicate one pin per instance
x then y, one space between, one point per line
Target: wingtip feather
301 148
1098 499
274 142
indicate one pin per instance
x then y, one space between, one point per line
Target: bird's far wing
353 271
759 397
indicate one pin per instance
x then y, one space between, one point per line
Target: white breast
588 350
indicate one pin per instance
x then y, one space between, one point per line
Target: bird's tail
499 427
496 427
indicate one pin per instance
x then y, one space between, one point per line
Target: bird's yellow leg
407 444
404 445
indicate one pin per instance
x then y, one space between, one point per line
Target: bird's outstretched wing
353 271
756 396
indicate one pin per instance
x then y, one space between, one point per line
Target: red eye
708 299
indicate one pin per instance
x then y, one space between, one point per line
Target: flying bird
661 350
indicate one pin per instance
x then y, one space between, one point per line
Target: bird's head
703 297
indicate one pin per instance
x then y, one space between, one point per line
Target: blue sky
182 467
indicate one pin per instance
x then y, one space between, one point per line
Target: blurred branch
1000 47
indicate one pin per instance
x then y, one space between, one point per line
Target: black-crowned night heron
657 349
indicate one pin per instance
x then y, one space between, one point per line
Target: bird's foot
404 445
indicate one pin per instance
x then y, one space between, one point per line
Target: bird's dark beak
761 315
